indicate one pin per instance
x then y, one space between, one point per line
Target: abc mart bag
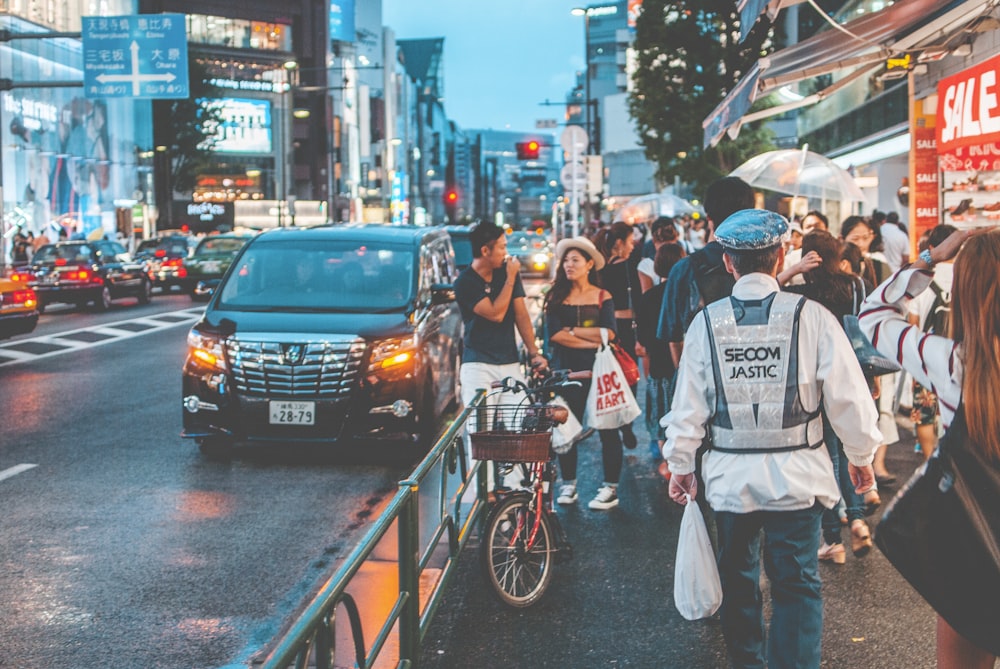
610 402
942 532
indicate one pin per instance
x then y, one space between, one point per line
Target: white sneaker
607 498
567 495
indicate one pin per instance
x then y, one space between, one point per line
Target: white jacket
828 373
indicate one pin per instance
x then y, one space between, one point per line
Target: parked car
461 243
209 261
533 250
164 258
18 307
327 334
81 272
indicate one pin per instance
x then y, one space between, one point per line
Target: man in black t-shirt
491 298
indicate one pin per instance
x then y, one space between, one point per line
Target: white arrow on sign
135 77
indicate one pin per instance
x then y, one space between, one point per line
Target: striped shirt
935 362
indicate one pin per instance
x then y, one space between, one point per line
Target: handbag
697 587
942 532
630 368
610 402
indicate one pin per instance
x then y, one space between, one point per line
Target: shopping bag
697 588
942 532
564 434
610 402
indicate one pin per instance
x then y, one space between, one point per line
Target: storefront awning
750 10
860 45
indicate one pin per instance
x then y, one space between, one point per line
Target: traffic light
528 150
450 198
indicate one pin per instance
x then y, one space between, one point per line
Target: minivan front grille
325 369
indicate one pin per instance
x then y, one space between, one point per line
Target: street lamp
285 144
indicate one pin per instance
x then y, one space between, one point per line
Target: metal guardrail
311 640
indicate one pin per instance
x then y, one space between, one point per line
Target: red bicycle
522 538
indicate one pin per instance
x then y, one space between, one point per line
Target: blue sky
502 57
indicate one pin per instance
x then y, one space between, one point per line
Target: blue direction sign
136 56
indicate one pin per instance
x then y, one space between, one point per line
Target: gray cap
751 230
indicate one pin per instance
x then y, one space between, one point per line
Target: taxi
18 307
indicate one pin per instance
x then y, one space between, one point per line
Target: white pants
479 375
886 415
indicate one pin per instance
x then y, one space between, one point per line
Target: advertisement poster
968 145
925 186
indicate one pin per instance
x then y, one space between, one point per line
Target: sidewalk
612 606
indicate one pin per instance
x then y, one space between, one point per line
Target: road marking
46 346
15 470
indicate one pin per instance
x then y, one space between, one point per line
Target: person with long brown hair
865 234
620 278
832 284
962 369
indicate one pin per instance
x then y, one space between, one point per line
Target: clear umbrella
800 172
646 208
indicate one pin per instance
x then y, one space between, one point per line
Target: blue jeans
852 500
791 540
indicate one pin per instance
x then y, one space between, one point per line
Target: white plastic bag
697 588
564 434
610 402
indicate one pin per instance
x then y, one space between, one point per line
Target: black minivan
327 334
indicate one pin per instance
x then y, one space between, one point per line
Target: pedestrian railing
418 556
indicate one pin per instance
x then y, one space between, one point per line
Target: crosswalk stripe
63 342
15 470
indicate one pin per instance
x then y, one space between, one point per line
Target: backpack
938 319
713 281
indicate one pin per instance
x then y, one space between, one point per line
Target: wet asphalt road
124 548
612 606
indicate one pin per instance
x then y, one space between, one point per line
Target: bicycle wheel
518 573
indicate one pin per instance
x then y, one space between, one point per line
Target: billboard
342 21
244 125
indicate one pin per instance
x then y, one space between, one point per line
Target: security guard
757 369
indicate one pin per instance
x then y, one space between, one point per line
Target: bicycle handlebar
556 379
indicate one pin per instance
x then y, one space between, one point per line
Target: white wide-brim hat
580 244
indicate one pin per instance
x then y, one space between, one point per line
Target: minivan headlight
389 353
206 350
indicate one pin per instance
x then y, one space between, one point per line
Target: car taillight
160 253
76 275
174 262
26 297
23 277
60 262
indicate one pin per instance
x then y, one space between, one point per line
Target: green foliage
689 57
187 128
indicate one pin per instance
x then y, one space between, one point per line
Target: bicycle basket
514 433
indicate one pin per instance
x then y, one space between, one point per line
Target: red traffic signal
528 150
451 197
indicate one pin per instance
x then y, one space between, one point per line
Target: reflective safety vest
755 360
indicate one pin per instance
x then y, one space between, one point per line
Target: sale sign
968 114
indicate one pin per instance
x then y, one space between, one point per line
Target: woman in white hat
576 308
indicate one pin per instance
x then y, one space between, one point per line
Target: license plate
210 266
292 413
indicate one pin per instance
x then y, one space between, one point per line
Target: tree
689 57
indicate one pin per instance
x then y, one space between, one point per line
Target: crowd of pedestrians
755 401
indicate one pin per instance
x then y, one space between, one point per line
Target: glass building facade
68 161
